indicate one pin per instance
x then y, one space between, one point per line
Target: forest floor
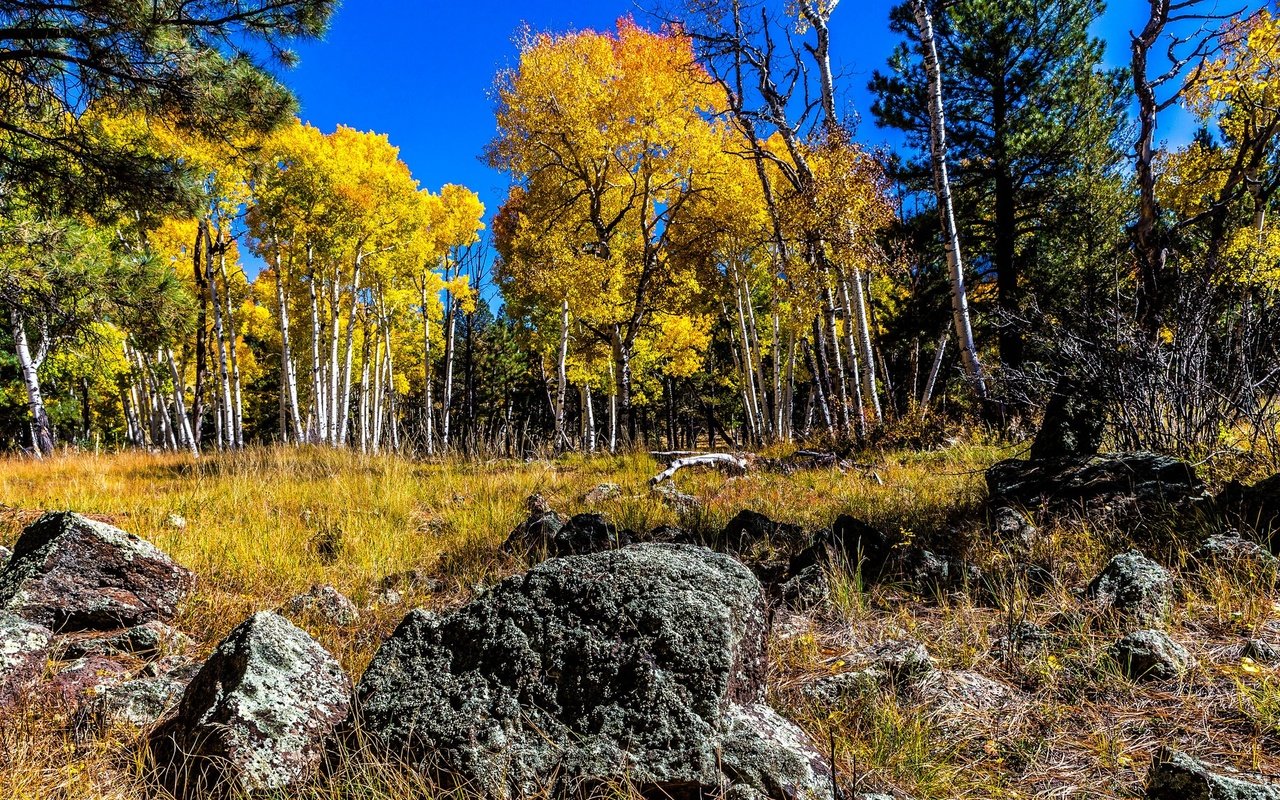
261 526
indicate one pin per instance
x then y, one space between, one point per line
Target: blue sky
421 71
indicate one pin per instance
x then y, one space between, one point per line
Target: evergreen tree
1033 120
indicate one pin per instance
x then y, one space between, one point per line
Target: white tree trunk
288 372
942 185
562 376
28 365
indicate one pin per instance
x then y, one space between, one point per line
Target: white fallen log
726 461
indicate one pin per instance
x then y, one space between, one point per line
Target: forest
695 249
735 445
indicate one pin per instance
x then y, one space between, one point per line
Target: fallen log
726 461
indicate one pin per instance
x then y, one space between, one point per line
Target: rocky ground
1103 626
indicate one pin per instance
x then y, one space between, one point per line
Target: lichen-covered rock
5 554
1119 482
24 648
1232 551
643 664
960 695
1150 655
1135 587
1177 776
136 703
81 679
256 716
1013 526
147 641
71 573
322 603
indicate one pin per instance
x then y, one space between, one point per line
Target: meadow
260 526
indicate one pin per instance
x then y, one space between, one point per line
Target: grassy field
264 525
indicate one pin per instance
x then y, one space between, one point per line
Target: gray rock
1013 525
750 530
71 573
322 603
903 661
1139 482
5 554
644 664
833 689
1177 776
1151 655
136 703
959 695
1261 651
1135 587
148 641
256 716
24 648
1235 552
176 521
675 499
806 590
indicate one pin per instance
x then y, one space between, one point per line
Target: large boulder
1135 587
72 573
257 715
1119 483
1177 776
24 648
644 664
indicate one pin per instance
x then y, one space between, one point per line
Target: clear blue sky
421 71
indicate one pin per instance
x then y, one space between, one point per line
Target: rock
1256 507
5 554
903 661
147 641
675 499
136 703
750 530
806 590
590 533
1230 550
322 603
536 535
1073 423
1177 776
256 716
854 544
1023 638
1011 525
387 597
24 648
960 697
1124 483
833 689
176 521
603 492
85 677
1135 587
1150 655
669 534
644 664
71 573
1261 651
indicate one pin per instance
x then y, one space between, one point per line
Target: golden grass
254 520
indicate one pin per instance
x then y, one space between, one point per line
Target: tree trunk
42 429
317 378
179 389
942 186
562 377
288 374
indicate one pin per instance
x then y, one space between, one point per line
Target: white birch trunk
942 185
28 365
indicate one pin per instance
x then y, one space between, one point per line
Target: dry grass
255 522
